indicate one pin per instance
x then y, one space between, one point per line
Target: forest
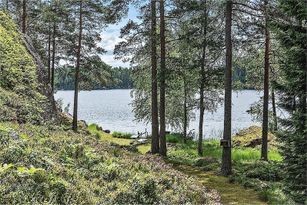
186 60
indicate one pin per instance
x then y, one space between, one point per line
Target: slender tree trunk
274 110
154 85
53 56
75 113
49 54
265 122
303 102
24 16
7 5
185 110
202 86
226 142
162 81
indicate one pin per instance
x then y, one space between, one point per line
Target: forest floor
240 188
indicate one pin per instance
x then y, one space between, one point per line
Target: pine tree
292 89
162 81
226 142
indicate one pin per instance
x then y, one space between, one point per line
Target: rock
254 143
142 141
107 131
134 137
84 124
14 135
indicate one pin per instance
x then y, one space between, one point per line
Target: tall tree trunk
7 5
49 54
274 110
24 16
154 85
303 102
185 111
53 56
162 81
265 121
226 142
75 113
202 86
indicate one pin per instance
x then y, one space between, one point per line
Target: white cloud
110 37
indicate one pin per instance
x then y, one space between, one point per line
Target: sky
110 37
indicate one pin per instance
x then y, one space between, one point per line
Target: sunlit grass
211 148
92 128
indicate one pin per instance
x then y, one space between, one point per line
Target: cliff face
23 95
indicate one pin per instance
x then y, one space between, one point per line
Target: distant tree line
115 78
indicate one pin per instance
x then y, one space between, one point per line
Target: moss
143 149
251 137
230 193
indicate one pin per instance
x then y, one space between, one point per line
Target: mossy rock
251 137
20 97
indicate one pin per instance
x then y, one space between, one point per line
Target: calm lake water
111 109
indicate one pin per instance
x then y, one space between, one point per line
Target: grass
230 193
250 173
92 128
187 153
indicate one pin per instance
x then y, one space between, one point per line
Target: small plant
121 135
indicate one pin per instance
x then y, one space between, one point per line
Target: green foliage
121 135
53 166
291 87
265 177
174 138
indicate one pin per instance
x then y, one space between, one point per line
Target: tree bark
154 85
265 121
274 110
24 16
162 81
53 56
226 168
75 113
185 120
202 86
49 54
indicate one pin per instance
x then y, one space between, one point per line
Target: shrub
174 138
121 135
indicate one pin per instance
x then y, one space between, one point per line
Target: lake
111 109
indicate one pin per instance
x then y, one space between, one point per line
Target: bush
174 138
121 135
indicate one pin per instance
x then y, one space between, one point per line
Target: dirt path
230 193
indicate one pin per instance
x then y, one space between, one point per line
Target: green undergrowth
122 135
20 99
249 170
41 165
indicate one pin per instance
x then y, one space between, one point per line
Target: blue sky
110 37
